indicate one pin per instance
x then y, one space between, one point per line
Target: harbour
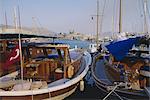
89 83
105 57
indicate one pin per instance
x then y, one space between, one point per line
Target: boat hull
60 94
122 93
62 89
103 85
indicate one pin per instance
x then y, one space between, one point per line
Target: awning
16 35
119 49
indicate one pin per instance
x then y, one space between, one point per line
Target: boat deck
102 81
100 72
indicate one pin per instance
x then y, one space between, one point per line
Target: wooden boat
50 71
123 73
126 78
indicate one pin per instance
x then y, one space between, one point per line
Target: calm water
72 43
91 92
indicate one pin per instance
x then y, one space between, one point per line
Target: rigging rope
113 91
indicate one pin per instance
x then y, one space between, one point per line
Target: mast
145 14
97 24
113 29
20 49
15 18
5 20
120 17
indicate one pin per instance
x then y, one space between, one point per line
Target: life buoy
81 85
70 71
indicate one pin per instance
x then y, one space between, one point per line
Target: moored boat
50 71
123 73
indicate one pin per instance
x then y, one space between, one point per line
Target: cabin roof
16 35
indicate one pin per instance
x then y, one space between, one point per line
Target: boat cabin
46 62
41 61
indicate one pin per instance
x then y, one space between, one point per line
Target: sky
76 15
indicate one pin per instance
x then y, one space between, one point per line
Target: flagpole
20 49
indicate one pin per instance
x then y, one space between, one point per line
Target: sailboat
121 71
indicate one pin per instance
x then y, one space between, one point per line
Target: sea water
73 43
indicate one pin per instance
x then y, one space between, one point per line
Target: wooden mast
120 17
20 49
145 14
97 25
113 29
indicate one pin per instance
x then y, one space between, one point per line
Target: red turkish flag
13 57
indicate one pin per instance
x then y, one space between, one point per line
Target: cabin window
39 51
12 42
54 51
55 54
